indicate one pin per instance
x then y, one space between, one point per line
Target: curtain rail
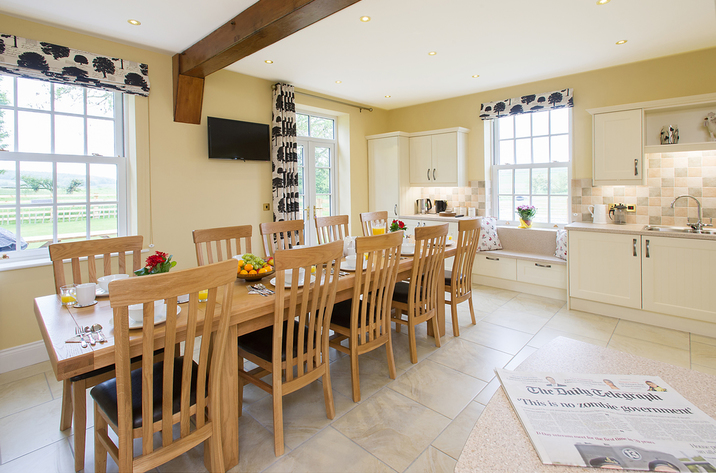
359 107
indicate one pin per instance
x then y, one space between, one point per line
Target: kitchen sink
667 228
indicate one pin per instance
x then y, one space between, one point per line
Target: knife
75 339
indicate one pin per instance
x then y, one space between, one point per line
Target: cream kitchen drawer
495 266
543 274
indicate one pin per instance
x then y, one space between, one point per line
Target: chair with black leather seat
281 235
74 407
332 228
371 220
158 395
295 348
418 299
219 244
365 319
458 280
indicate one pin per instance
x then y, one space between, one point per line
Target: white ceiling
506 42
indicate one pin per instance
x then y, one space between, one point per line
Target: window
62 169
316 148
531 164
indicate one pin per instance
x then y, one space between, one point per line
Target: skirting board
681 324
534 289
21 356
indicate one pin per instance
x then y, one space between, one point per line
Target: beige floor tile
593 326
56 387
536 305
497 337
703 339
189 458
453 438
488 391
372 373
25 372
440 388
30 430
392 427
432 460
651 350
704 369
472 359
488 299
520 357
547 334
401 348
329 451
662 336
256 450
56 457
510 317
23 394
703 354
304 412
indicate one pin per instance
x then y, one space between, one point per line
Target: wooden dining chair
371 220
177 390
281 235
418 299
331 228
365 319
74 396
295 348
458 280
219 244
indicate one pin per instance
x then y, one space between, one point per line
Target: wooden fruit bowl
255 277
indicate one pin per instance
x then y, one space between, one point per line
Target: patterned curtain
527 104
54 63
284 160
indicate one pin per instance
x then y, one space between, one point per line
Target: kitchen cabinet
605 267
388 179
439 158
618 148
678 277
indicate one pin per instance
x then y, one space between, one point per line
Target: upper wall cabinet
439 158
618 148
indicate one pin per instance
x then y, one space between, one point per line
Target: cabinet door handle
634 252
647 248
492 259
395 209
636 167
543 265
433 174
428 174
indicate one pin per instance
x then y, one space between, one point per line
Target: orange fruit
263 270
243 271
241 263
249 267
253 271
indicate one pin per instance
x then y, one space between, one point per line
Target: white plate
407 251
77 306
160 316
350 265
287 282
99 292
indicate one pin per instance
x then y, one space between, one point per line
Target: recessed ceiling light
134 22
475 76
365 19
623 41
432 53
338 81
387 96
603 2
268 61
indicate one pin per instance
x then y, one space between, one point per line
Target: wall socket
630 208
267 206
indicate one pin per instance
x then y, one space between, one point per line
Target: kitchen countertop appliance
620 212
424 206
440 206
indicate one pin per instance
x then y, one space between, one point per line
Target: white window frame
495 167
30 257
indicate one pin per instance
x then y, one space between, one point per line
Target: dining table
249 312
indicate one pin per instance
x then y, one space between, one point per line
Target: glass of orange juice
68 295
203 295
378 230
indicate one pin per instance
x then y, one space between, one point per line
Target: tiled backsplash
669 175
477 196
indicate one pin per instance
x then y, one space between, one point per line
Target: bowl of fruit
253 268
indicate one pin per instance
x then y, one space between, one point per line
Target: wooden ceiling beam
262 24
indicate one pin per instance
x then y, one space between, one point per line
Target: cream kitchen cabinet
679 276
605 267
618 148
388 180
439 158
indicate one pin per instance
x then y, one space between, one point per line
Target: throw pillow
488 235
561 245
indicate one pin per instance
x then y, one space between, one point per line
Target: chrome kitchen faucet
699 225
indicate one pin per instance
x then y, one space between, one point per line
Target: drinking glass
203 295
378 230
68 295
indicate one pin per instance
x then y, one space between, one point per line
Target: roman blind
527 104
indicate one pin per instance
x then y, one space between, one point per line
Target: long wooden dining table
249 312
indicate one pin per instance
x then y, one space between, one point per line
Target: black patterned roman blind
54 63
527 104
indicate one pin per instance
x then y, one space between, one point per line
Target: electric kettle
424 205
619 211
440 206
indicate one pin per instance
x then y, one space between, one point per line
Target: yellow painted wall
188 190
692 73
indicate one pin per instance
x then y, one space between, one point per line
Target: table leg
441 304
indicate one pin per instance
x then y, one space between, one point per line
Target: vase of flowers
527 213
397 225
159 262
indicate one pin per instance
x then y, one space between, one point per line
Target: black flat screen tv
233 139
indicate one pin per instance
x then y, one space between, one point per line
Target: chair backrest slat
371 220
218 244
281 235
429 255
467 241
331 228
90 249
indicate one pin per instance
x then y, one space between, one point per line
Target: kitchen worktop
434 217
634 229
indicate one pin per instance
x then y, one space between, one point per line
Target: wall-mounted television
233 139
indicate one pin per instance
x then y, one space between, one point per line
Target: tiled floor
418 422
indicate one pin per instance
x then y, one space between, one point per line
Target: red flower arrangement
398 225
159 262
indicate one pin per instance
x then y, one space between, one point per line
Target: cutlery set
260 289
88 335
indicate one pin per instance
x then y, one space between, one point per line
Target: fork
264 289
79 331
